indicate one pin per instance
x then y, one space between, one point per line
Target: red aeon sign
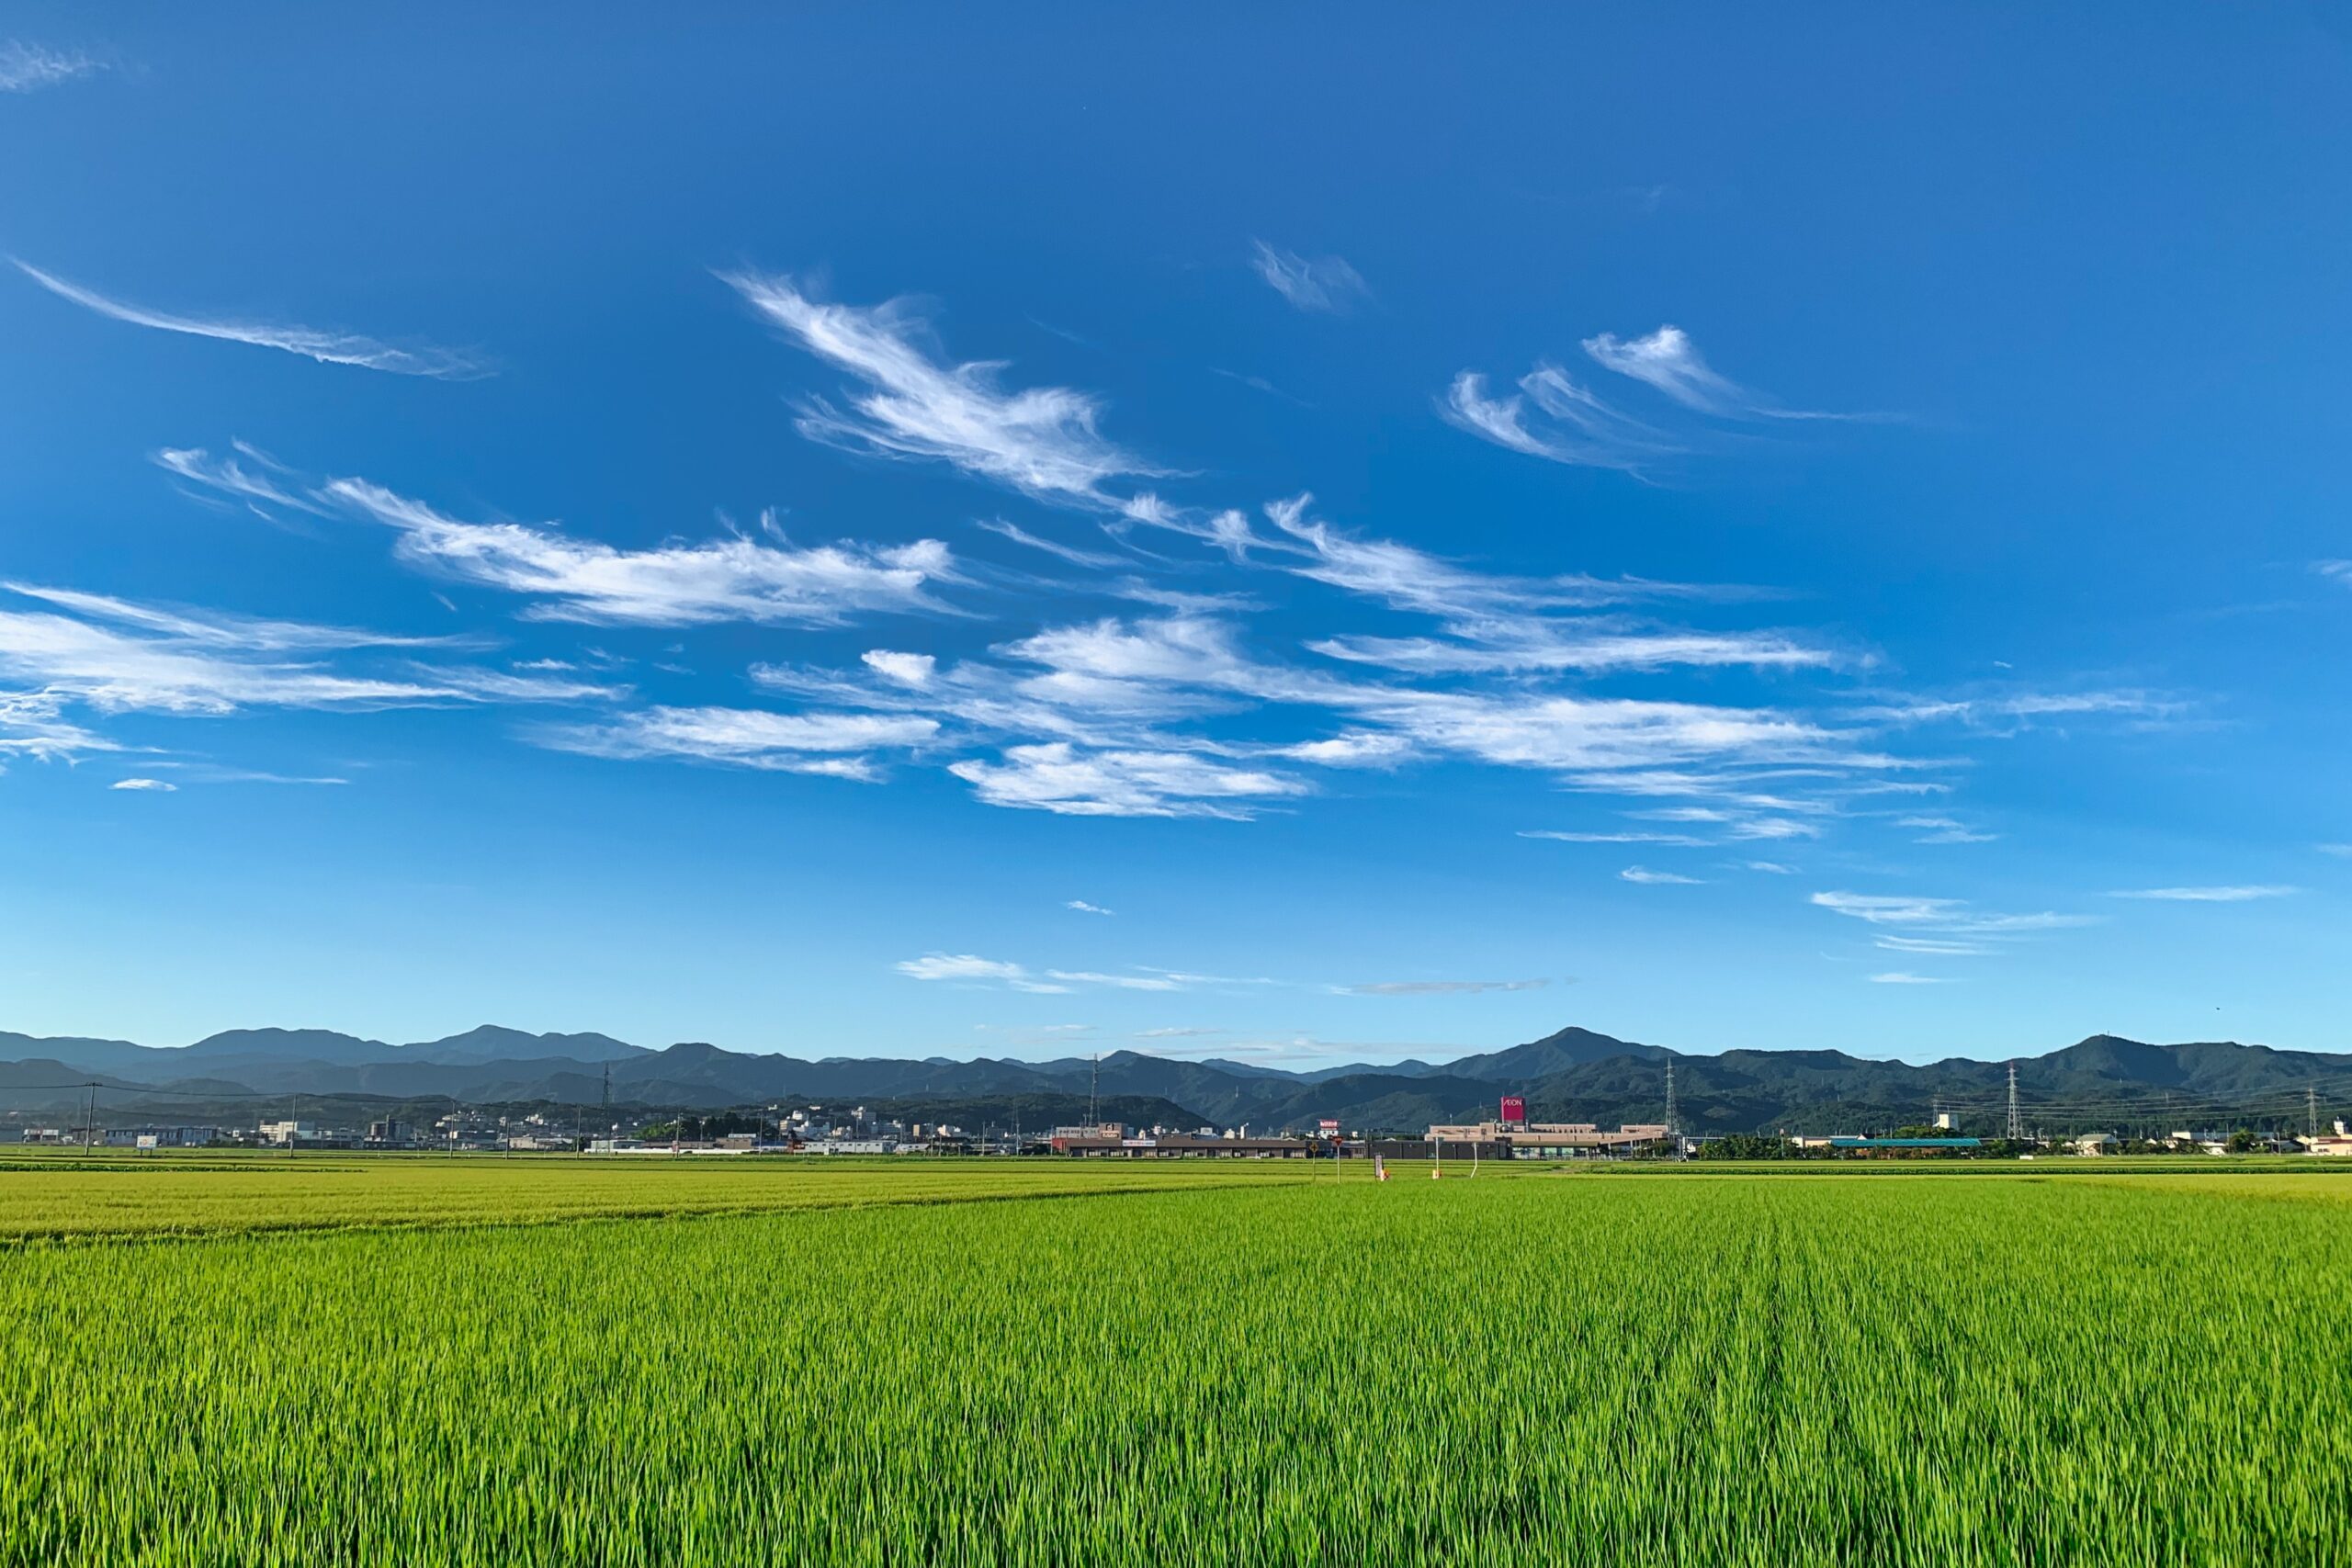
1514 1108
1330 1125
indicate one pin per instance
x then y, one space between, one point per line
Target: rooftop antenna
2016 1117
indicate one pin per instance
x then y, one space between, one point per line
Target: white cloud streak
1681 840
1944 830
326 347
1667 361
119 657
1949 916
231 478
972 968
28 67
1041 441
2241 893
1443 988
1938 947
1327 285
1569 425
836 745
733 578
1058 777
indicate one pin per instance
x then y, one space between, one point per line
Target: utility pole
2310 1102
89 1114
2016 1117
1094 1094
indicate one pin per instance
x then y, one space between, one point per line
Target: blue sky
885 530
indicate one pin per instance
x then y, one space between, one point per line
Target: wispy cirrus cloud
163 786
87 656
28 67
1938 947
1944 830
1106 718
1040 440
1649 878
326 347
1117 982
1952 916
2237 893
1323 284
838 745
972 968
1442 988
1565 423
257 485
735 578
1533 647
218 629
33 726
1905 978
115 656
1667 361
1083 907
2021 709
1407 578
1058 777
1558 835
1060 551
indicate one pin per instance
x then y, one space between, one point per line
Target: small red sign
1330 1125
1514 1108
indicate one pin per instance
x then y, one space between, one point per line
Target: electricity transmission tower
1094 1093
1673 1120
2016 1117
2311 1104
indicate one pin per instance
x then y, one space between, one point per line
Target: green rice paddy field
571 1362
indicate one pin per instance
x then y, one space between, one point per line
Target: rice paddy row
60 1199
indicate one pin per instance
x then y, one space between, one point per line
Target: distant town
814 1130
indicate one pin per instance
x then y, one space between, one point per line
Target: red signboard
1514 1108
1330 1125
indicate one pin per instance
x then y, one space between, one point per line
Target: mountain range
1574 1075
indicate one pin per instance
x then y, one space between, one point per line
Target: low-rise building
1548 1140
1181 1146
2339 1144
